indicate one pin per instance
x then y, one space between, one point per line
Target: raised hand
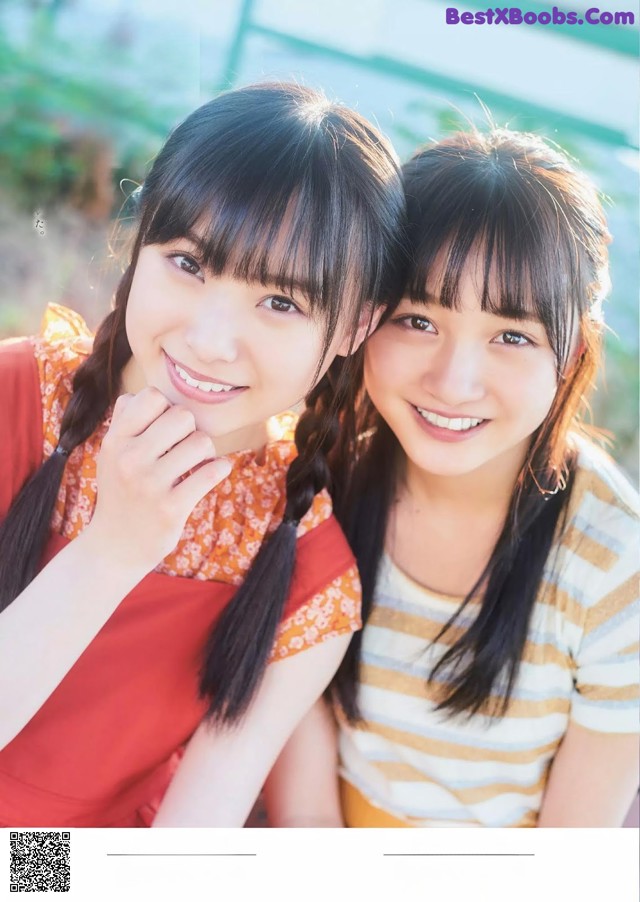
153 468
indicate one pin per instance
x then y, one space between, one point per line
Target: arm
593 780
140 513
594 775
302 788
223 769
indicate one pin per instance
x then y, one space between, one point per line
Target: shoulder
63 344
599 580
603 516
20 418
17 364
320 511
599 479
595 570
325 592
279 454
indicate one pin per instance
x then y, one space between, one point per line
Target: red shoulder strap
20 418
322 555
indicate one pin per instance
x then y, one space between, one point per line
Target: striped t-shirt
580 663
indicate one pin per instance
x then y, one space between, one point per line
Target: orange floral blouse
226 528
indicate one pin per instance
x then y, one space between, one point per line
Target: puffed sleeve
326 593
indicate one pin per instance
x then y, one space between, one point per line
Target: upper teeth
457 424
203 386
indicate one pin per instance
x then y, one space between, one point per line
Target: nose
214 331
455 374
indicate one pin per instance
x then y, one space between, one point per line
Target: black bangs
474 195
272 184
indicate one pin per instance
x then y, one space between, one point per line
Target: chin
452 462
446 468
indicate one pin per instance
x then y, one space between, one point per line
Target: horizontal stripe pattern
580 664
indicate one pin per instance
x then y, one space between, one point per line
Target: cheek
298 352
289 362
138 325
150 313
371 371
532 392
388 365
131 324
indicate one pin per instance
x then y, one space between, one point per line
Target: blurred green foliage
57 94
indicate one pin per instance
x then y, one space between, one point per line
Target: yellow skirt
359 812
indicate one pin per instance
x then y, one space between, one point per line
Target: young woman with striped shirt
496 680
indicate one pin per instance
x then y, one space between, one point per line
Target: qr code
40 861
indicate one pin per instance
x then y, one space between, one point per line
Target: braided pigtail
25 529
239 647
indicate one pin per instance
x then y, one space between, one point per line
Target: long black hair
540 231
280 185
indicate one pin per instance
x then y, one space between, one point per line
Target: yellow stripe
610 693
412 624
358 811
416 687
472 795
603 492
426 629
441 749
610 604
560 600
545 653
529 820
589 549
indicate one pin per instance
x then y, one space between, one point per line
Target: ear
367 322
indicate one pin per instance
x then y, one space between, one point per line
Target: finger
132 414
168 430
198 484
184 456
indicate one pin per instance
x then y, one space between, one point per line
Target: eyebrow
196 240
294 285
519 316
270 279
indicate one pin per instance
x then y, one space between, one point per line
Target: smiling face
463 388
233 352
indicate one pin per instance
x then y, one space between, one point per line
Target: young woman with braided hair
171 574
495 682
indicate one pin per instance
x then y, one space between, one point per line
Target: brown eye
416 323
514 338
186 264
279 304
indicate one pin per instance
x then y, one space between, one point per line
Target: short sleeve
332 608
64 342
606 692
332 612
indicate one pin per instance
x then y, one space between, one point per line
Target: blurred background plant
90 88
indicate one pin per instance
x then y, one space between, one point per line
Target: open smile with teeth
456 424
203 386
